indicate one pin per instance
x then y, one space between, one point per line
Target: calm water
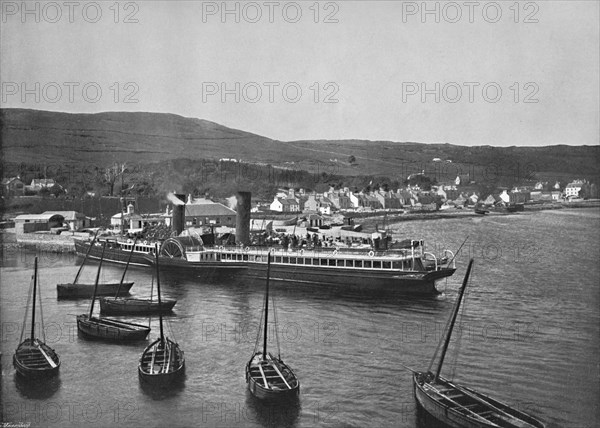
529 336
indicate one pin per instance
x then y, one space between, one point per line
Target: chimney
242 226
130 208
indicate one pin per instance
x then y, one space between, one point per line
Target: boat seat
455 395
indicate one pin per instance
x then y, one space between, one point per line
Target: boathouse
29 223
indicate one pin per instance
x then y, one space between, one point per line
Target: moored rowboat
120 305
267 376
162 362
271 378
457 406
110 329
33 359
71 290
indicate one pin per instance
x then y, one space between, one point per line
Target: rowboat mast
452 321
162 337
86 257
35 276
264 355
97 280
126 266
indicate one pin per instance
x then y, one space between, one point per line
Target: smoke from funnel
231 202
171 197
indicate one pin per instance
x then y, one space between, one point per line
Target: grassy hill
38 137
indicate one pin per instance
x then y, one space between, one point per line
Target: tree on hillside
351 159
56 190
112 173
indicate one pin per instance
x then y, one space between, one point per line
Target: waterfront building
29 223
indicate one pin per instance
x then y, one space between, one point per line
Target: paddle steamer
410 270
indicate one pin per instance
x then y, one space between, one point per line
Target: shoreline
65 243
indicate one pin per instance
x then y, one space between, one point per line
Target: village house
573 188
38 184
13 186
312 203
285 205
127 220
326 206
373 202
356 200
387 201
340 200
460 201
505 197
426 202
519 195
209 214
492 200
535 195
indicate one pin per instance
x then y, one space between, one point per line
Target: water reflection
283 413
159 393
425 420
37 389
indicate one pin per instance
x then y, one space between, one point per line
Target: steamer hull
404 272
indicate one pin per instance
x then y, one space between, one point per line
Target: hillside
38 137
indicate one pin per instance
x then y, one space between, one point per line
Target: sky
500 73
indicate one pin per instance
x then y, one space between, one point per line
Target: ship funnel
178 213
242 225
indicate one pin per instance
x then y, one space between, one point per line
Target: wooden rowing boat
162 362
33 359
74 290
108 329
117 305
458 406
267 376
124 305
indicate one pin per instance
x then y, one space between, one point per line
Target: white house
573 188
276 205
40 183
285 205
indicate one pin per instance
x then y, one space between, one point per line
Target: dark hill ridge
35 136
